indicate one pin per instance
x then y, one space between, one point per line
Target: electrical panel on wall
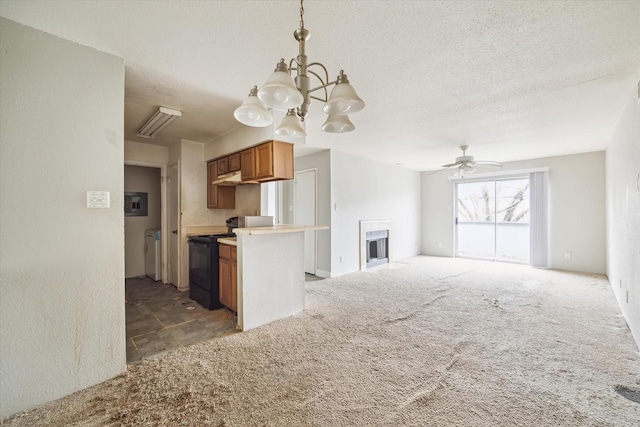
135 204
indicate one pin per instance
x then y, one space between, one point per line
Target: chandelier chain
301 14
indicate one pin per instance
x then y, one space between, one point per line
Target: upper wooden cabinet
228 164
218 197
234 162
223 166
248 164
269 161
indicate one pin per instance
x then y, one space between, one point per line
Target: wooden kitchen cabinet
218 196
234 162
269 161
248 164
223 166
229 277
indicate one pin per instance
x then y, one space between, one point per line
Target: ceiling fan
465 164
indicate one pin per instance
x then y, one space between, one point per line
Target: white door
173 181
305 213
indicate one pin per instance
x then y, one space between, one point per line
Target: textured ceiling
513 80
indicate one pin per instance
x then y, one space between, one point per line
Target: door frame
164 224
178 267
315 233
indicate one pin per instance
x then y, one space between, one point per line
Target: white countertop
233 241
282 228
206 229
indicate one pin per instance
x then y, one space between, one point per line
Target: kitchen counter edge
276 229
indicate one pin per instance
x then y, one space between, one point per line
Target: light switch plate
98 199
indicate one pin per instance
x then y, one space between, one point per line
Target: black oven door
200 261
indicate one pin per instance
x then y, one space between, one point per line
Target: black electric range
204 278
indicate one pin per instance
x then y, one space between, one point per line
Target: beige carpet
436 342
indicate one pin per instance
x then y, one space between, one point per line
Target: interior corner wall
145 180
623 214
576 210
62 320
363 189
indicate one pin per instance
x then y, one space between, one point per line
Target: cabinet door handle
175 231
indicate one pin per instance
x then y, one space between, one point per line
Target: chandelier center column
302 79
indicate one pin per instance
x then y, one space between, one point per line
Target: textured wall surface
623 214
62 324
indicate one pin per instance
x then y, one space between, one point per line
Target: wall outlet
341 259
439 245
567 255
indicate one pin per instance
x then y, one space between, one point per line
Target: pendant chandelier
283 92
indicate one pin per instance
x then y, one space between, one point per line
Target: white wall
368 190
623 213
145 180
62 323
576 210
147 153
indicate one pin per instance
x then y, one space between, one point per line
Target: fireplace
374 243
377 242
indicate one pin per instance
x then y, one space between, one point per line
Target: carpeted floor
436 341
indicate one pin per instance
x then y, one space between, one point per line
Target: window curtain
539 237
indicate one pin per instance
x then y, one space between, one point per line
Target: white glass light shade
463 171
338 124
252 112
343 98
280 91
290 125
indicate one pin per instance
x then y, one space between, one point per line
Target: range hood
232 178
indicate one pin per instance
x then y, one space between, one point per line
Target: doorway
492 220
306 213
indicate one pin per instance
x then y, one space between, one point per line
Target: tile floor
159 318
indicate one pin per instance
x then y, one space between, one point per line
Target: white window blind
539 240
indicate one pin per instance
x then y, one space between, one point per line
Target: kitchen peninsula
270 281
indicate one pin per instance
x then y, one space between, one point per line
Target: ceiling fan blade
450 165
487 163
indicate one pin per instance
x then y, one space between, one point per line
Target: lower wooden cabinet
229 277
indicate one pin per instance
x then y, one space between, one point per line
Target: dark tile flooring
159 318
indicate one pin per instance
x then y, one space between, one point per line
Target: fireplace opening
377 247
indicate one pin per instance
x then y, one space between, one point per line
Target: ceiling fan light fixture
337 124
253 112
291 125
160 120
